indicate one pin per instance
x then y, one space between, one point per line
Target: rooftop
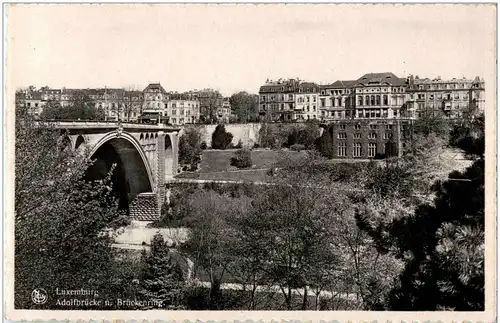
380 78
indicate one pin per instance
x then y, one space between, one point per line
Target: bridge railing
104 124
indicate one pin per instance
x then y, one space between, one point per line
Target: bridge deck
111 124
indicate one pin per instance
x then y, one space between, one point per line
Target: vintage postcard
310 162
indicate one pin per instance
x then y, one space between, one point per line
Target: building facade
367 138
337 101
181 111
379 95
449 97
289 100
372 96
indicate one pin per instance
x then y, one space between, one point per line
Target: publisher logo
39 296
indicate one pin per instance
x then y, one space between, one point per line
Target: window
314 99
372 149
387 135
357 126
342 135
373 126
322 102
372 135
341 151
356 151
385 100
367 100
372 100
378 99
356 135
388 127
342 126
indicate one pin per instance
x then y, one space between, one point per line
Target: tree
163 281
80 107
442 242
209 238
220 138
190 148
324 144
60 219
244 105
305 136
210 101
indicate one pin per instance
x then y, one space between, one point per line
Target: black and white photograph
272 158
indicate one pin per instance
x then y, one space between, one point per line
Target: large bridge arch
133 174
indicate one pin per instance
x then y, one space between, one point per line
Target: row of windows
371 135
301 99
394 89
336 92
443 86
356 149
430 97
375 113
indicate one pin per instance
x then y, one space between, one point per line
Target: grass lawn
251 175
219 160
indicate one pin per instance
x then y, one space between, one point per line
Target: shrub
221 139
324 144
242 159
203 145
297 147
239 145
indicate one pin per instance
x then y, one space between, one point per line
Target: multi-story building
449 97
337 101
223 113
307 102
379 95
289 100
34 103
181 111
210 102
155 98
367 138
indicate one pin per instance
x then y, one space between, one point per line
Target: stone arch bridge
144 157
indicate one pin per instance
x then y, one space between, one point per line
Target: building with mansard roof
449 97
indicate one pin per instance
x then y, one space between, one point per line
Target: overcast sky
237 47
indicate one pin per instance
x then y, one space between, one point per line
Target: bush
297 147
242 159
324 144
203 145
221 139
189 149
239 145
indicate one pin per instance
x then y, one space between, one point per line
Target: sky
237 47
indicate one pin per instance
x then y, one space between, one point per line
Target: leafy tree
221 138
190 148
81 107
163 281
60 219
441 243
306 136
244 105
209 239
